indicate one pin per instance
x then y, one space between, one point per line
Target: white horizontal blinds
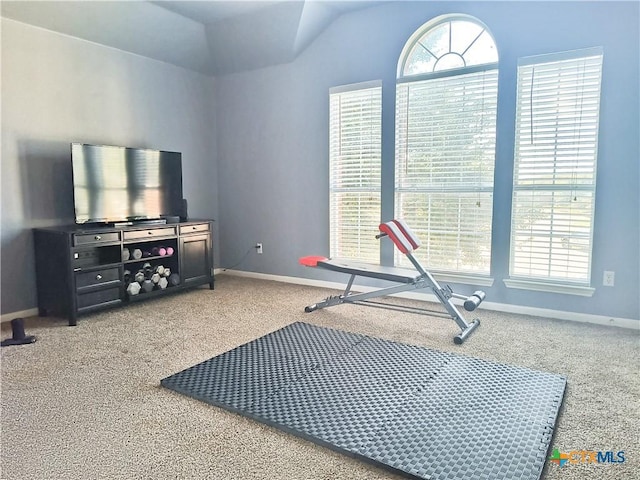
445 155
555 166
355 171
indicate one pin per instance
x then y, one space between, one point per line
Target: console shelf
83 269
148 259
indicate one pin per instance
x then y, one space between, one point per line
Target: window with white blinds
556 147
355 158
445 143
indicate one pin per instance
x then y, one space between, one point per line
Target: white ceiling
211 11
213 37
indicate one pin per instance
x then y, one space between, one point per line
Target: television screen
121 184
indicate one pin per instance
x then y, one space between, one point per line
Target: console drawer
93 238
199 228
150 233
97 277
98 297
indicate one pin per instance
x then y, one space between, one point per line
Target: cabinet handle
150 233
193 228
98 277
97 237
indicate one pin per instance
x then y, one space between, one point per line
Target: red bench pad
311 260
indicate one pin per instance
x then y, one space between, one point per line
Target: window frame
421 33
551 283
476 277
335 231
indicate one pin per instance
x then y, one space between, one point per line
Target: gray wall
57 89
255 145
273 139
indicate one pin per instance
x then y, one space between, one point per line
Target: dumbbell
162 283
127 276
169 251
159 251
155 278
126 254
148 270
174 279
167 272
133 288
139 276
160 270
147 286
137 254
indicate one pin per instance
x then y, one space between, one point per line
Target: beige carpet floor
85 402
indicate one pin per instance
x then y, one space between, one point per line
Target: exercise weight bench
406 241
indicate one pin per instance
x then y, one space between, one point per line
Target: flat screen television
123 185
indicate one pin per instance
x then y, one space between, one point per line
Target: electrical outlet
259 248
608 279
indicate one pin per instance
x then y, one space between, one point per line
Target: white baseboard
7 317
429 297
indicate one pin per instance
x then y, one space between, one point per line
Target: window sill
463 278
551 287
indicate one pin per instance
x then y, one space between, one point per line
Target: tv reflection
121 184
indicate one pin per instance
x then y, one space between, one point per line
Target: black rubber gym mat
415 411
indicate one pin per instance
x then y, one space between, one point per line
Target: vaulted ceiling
211 37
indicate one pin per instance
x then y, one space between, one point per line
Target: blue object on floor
418 412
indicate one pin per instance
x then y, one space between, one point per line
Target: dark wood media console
82 269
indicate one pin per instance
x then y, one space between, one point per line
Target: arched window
446 102
448 43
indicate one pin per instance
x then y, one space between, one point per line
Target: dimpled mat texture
412 410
